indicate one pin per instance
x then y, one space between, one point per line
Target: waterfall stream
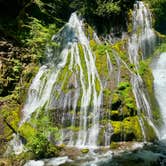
159 73
142 39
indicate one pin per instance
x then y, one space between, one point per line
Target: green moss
93 45
104 121
101 60
132 127
27 131
130 103
147 76
107 92
74 128
143 67
114 145
85 150
128 130
97 86
117 131
114 113
116 101
119 48
123 85
89 31
10 112
83 64
64 77
130 26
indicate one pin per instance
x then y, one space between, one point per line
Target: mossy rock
115 115
114 145
127 130
74 128
84 151
123 85
27 131
10 111
116 101
117 128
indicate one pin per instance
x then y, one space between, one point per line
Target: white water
142 39
15 145
159 73
142 21
143 36
48 162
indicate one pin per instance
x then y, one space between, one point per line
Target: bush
41 147
37 133
40 37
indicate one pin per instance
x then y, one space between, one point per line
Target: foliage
107 8
37 133
40 37
114 145
41 147
9 75
10 112
158 8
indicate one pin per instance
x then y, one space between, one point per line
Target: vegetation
85 150
37 134
158 9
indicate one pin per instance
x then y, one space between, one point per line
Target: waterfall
159 73
142 25
74 55
69 88
142 39
143 36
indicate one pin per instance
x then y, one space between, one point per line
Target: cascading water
69 85
76 54
159 73
142 39
142 20
143 36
